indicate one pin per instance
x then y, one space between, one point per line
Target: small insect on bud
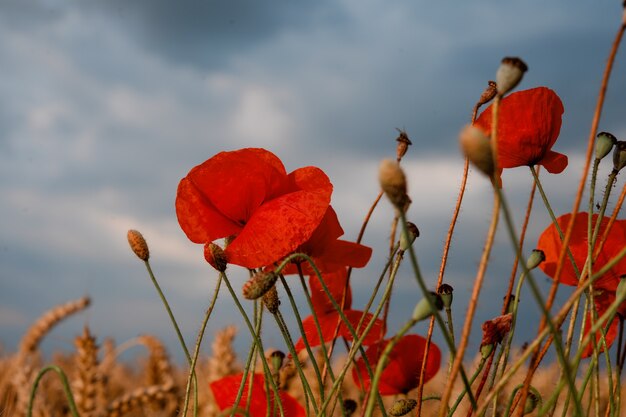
535 259
349 406
489 93
445 292
509 74
619 156
403 144
423 308
138 244
271 300
477 148
276 359
532 401
402 407
413 233
215 256
259 284
393 182
604 144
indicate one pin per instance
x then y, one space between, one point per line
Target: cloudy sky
107 104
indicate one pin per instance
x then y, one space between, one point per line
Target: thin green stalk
477 372
509 341
451 330
66 390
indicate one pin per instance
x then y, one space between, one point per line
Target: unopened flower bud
423 308
485 350
271 300
509 74
619 156
535 259
604 144
393 182
445 292
403 144
477 148
402 407
532 401
276 359
413 233
489 93
349 406
215 256
138 244
259 284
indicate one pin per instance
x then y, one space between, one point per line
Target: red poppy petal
198 218
602 303
336 283
554 162
550 243
311 179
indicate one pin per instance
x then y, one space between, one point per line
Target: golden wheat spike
87 382
159 367
223 359
137 398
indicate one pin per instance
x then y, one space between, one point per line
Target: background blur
107 104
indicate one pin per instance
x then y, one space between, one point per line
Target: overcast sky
106 105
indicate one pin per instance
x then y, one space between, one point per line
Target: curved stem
66 389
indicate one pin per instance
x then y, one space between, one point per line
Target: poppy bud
604 144
349 406
535 259
532 401
271 300
413 233
509 74
259 284
423 308
619 156
489 93
276 358
445 292
393 182
403 144
402 407
215 256
138 244
485 350
477 148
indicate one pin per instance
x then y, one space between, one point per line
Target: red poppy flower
248 194
328 252
529 123
602 299
402 372
336 284
225 392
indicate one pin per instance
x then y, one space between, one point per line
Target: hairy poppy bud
535 259
259 284
604 144
349 406
489 93
532 401
619 156
393 182
403 144
413 233
509 74
477 148
445 292
402 407
276 359
215 256
138 244
271 301
423 308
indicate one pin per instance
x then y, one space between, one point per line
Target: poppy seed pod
215 256
535 259
423 308
349 406
509 74
619 156
403 144
413 233
477 148
259 284
393 182
604 144
271 300
402 407
138 244
445 292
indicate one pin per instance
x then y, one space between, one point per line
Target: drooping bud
259 284
423 308
138 244
604 144
509 74
215 256
496 329
476 147
402 407
393 182
619 156
413 233
445 292
535 259
276 359
489 93
271 300
532 401
403 144
349 406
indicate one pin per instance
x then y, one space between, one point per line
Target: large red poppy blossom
402 372
336 284
602 299
248 194
225 393
529 123
328 252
